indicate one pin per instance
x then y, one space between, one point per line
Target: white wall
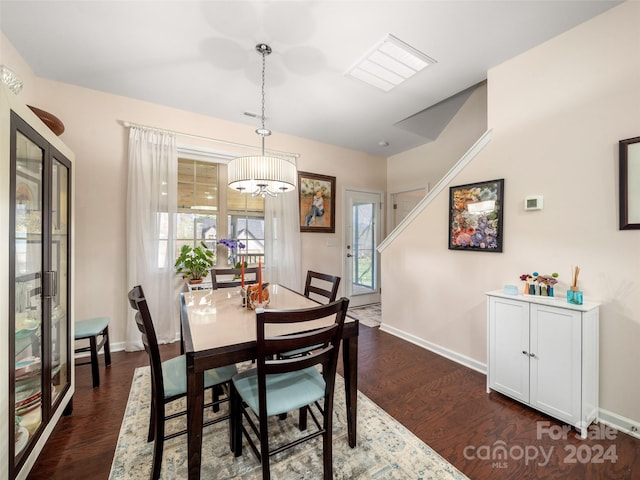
95 133
557 113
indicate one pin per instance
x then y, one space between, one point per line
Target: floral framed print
475 216
317 200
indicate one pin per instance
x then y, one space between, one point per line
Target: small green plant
194 263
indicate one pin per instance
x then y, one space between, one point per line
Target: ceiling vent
389 63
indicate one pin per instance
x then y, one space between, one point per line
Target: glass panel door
362 232
59 279
28 228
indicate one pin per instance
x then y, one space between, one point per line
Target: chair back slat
316 357
284 343
321 284
327 339
250 277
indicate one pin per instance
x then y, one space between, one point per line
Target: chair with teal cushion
278 385
321 285
90 329
169 381
317 285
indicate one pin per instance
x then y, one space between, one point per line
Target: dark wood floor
443 403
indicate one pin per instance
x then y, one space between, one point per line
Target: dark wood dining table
218 331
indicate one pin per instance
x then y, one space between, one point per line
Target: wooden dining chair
277 385
321 284
169 381
90 329
250 277
318 284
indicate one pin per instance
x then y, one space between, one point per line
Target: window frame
223 214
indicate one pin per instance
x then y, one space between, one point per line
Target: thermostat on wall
533 202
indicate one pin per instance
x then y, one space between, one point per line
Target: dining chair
169 381
90 329
279 385
250 277
321 284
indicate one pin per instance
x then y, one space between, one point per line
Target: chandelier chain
264 63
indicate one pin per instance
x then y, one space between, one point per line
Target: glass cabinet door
39 277
28 253
59 278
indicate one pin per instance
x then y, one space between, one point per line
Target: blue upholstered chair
169 381
90 329
278 385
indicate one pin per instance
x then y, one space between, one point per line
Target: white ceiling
200 55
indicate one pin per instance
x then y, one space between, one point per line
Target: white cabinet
543 352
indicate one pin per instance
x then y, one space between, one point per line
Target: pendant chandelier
262 174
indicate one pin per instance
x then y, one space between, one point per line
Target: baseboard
620 423
444 352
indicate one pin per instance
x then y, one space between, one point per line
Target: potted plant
194 263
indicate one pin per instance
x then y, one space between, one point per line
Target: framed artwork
317 201
475 216
630 184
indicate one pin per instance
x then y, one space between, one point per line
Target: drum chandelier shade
262 174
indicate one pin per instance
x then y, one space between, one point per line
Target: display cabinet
543 351
36 246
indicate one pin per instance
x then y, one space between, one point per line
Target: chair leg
264 448
158 445
302 422
327 452
107 349
232 415
152 421
236 421
95 370
216 391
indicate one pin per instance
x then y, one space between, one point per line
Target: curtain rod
208 139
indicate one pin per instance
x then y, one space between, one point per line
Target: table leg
350 363
195 402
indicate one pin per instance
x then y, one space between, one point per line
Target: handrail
455 170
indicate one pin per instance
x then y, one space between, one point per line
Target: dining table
217 330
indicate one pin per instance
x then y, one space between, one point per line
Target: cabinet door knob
524 352
532 354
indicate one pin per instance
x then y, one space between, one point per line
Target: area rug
369 315
385 450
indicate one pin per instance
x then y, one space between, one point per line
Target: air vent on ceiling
389 63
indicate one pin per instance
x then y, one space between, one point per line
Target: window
203 204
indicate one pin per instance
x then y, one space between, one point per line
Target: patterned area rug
386 450
369 315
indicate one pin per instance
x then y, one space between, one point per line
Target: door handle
49 284
349 255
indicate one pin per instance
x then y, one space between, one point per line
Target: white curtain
151 213
282 240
